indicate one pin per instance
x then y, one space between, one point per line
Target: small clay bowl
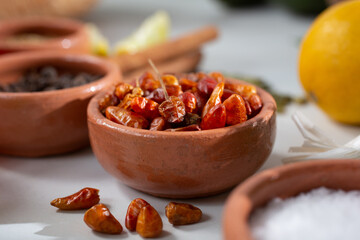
35 124
284 182
183 164
60 33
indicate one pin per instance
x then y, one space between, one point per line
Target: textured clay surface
51 122
183 164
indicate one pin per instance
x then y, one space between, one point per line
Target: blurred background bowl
284 182
63 8
183 164
43 33
35 124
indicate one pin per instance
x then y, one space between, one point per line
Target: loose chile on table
140 217
83 199
100 219
143 218
192 102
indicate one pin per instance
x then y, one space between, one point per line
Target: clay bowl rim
239 202
267 111
73 26
109 68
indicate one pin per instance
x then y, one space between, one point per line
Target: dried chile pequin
149 223
187 84
126 102
126 117
215 99
122 89
235 110
215 118
200 100
182 213
206 86
148 83
242 89
189 100
83 199
158 124
145 107
217 76
108 100
249 111
172 110
174 90
226 94
255 103
157 95
133 212
170 80
100 219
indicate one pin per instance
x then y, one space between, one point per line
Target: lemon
99 44
329 62
153 30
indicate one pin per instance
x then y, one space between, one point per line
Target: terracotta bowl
284 182
66 34
50 122
183 164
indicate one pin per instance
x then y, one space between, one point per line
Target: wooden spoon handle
171 49
183 63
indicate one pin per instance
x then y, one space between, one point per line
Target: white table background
259 42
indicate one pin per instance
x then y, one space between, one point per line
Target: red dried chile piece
214 99
133 212
215 118
157 95
255 103
226 94
149 223
170 80
148 83
249 111
206 86
146 107
174 90
201 75
189 100
108 100
126 117
217 76
200 100
235 110
172 110
122 89
182 213
158 124
243 90
100 219
187 84
83 199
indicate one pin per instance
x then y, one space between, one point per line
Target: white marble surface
259 42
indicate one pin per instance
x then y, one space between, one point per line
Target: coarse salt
321 214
